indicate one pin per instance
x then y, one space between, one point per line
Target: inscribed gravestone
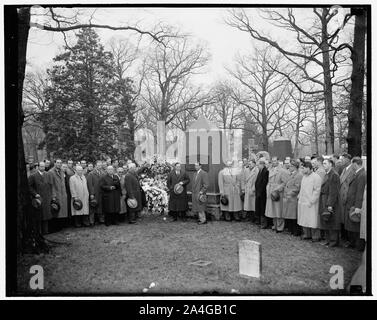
250 258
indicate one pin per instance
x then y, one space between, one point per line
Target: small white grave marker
250 258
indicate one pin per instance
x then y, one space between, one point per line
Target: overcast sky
205 24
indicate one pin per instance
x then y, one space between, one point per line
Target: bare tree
262 91
314 45
169 69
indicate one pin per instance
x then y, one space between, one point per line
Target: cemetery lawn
126 258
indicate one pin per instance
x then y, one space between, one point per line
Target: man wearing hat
354 204
132 191
329 204
40 190
95 196
79 198
231 186
199 190
177 182
276 182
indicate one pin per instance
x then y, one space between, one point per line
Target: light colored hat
178 188
132 203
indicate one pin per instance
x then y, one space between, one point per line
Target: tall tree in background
355 111
314 45
83 118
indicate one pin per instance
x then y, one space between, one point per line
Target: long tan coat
345 179
291 190
230 184
79 190
276 181
249 178
199 184
58 190
308 201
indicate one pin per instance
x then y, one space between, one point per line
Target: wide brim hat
202 198
132 203
55 206
275 195
178 188
36 203
354 217
326 215
224 200
77 204
93 203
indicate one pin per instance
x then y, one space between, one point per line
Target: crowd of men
65 194
322 200
312 197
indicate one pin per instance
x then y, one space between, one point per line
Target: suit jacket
355 197
261 183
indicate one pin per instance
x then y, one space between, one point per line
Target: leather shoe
202 222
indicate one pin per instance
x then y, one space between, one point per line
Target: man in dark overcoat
329 202
94 188
110 187
199 187
133 191
355 200
40 189
261 195
178 202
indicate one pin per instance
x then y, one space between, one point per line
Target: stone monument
250 258
282 148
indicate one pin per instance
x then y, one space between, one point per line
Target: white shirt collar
358 170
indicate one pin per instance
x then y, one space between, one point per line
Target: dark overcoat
261 183
178 202
355 199
133 190
330 198
200 184
38 184
58 190
345 178
94 188
110 198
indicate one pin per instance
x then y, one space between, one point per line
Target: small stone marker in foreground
200 263
250 258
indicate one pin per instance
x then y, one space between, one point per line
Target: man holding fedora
95 196
132 190
177 182
79 198
110 187
354 205
199 190
41 194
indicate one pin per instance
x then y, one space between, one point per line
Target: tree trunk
357 78
329 112
23 198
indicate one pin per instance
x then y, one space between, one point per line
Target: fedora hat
202 198
93 203
36 203
55 207
77 204
178 188
326 215
224 200
354 216
132 203
275 195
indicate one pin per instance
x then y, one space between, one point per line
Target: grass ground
124 259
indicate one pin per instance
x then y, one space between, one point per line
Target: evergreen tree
84 114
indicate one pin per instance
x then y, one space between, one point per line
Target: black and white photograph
216 149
